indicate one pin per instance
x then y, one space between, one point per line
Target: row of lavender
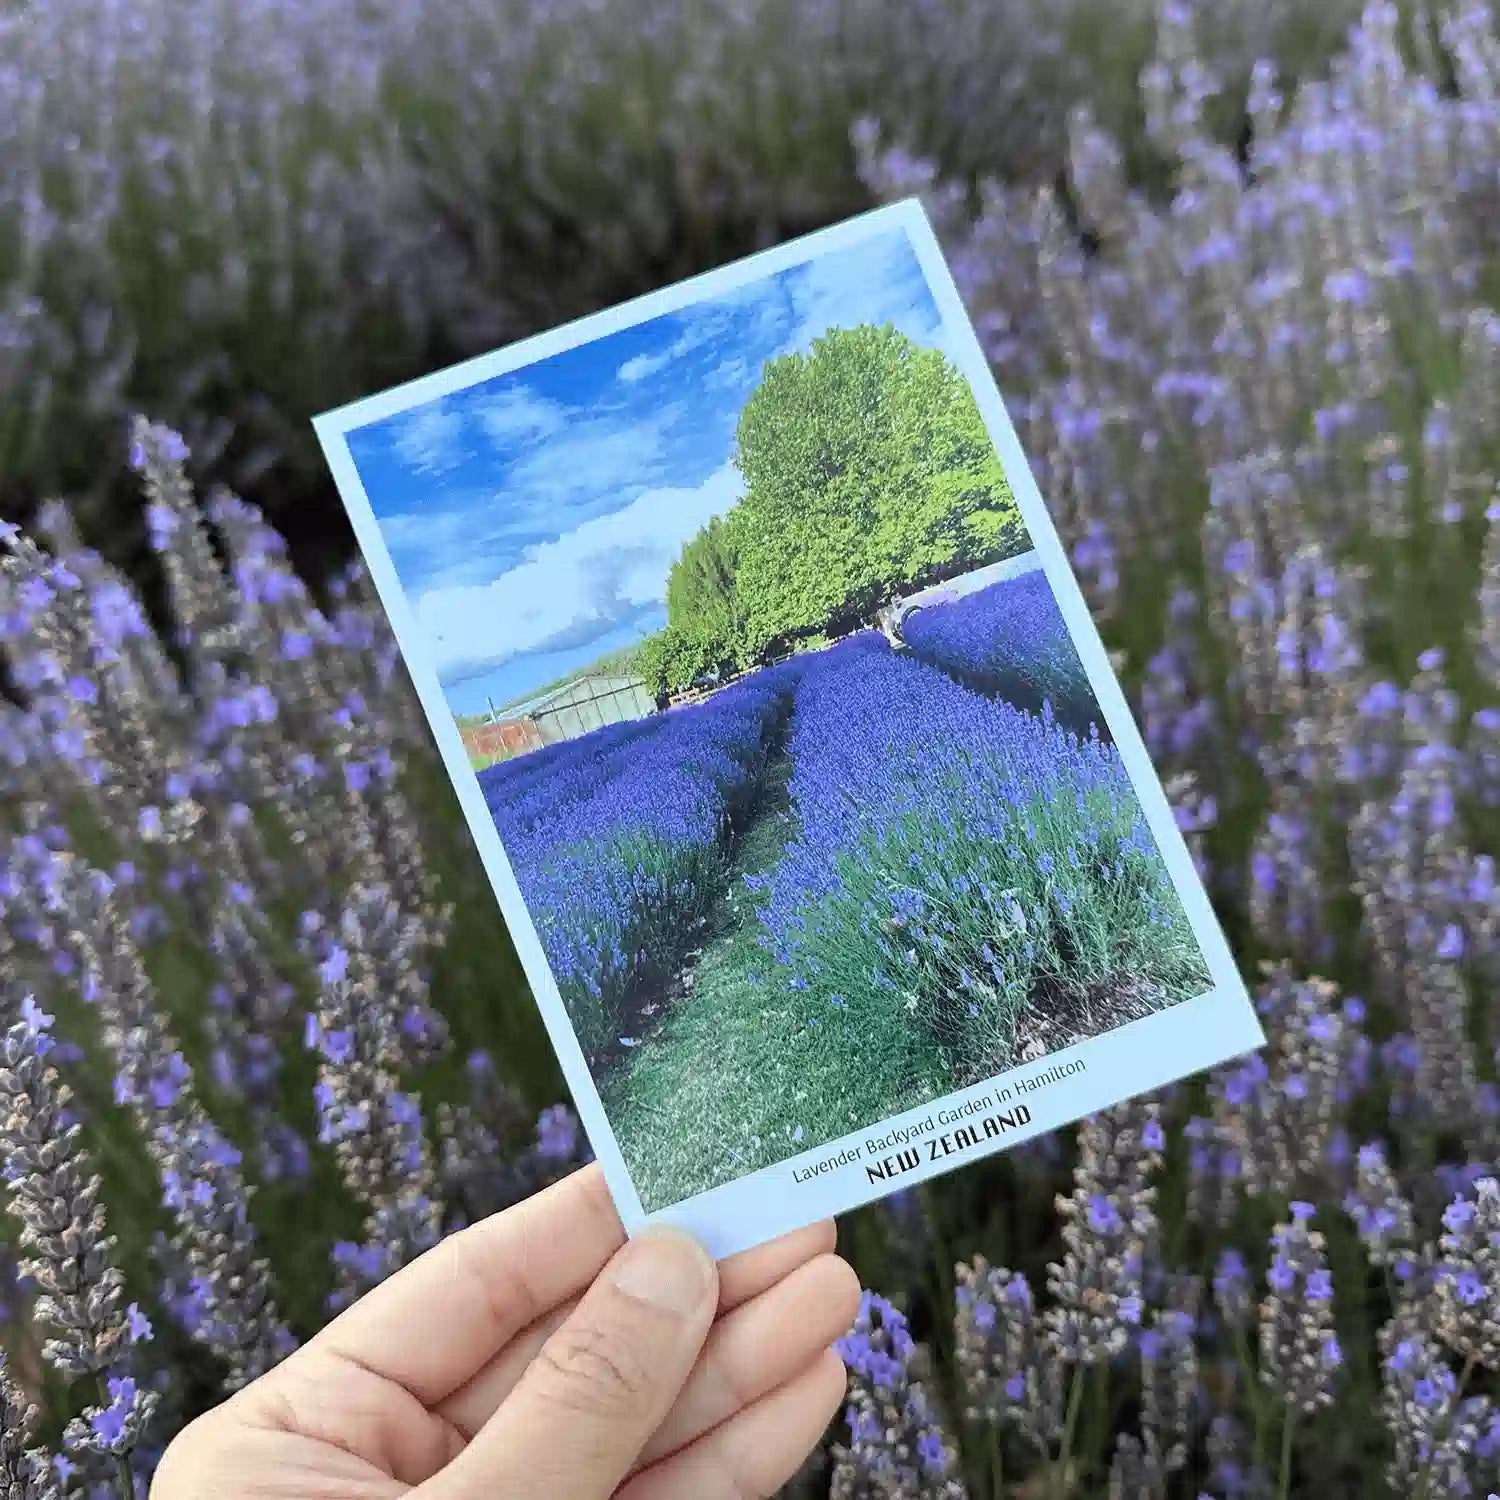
229 820
1009 641
962 871
619 842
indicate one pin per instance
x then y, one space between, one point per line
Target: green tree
673 659
867 467
702 588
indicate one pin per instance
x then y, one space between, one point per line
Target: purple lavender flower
1009 1378
557 1134
1280 1110
897 1447
25 1470
1300 1353
70 1255
1438 1436
1169 1393
1467 1277
1109 1237
373 1125
1381 1214
1233 1289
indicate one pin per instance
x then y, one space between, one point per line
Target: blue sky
533 517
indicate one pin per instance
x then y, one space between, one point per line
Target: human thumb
577 1420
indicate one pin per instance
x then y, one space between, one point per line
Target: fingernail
665 1269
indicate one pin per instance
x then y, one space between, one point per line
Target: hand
538 1356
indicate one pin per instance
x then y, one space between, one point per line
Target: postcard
808 795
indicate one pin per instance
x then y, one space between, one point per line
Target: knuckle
740 1387
503 1291
590 1372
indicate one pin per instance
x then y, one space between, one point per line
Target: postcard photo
807 792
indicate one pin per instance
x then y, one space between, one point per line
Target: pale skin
539 1354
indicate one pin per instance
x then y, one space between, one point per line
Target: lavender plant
1467 1278
374 1127
69 1253
25 1471
226 1302
898 1449
238 214
1009 1376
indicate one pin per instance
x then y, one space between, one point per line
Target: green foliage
702 585
706 618
729 1077
672 660
867 468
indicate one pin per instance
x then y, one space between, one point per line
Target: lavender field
841 887
1236 268
618 840
1010 641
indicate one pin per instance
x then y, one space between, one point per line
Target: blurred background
1236 264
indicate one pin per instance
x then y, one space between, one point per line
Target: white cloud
435 439
446 545
573 588
643 365
429 439
517 415
412 535
732 372
608 454
705 323
879 282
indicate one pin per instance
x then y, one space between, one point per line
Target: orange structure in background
501 740
561 713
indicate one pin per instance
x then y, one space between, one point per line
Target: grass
733 1073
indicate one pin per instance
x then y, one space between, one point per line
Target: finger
751 1456
742 1278
751 1272
601 1385
759 1347
434 1324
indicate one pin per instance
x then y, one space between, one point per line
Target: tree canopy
868 470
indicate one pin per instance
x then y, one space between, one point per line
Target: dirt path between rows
673 1099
